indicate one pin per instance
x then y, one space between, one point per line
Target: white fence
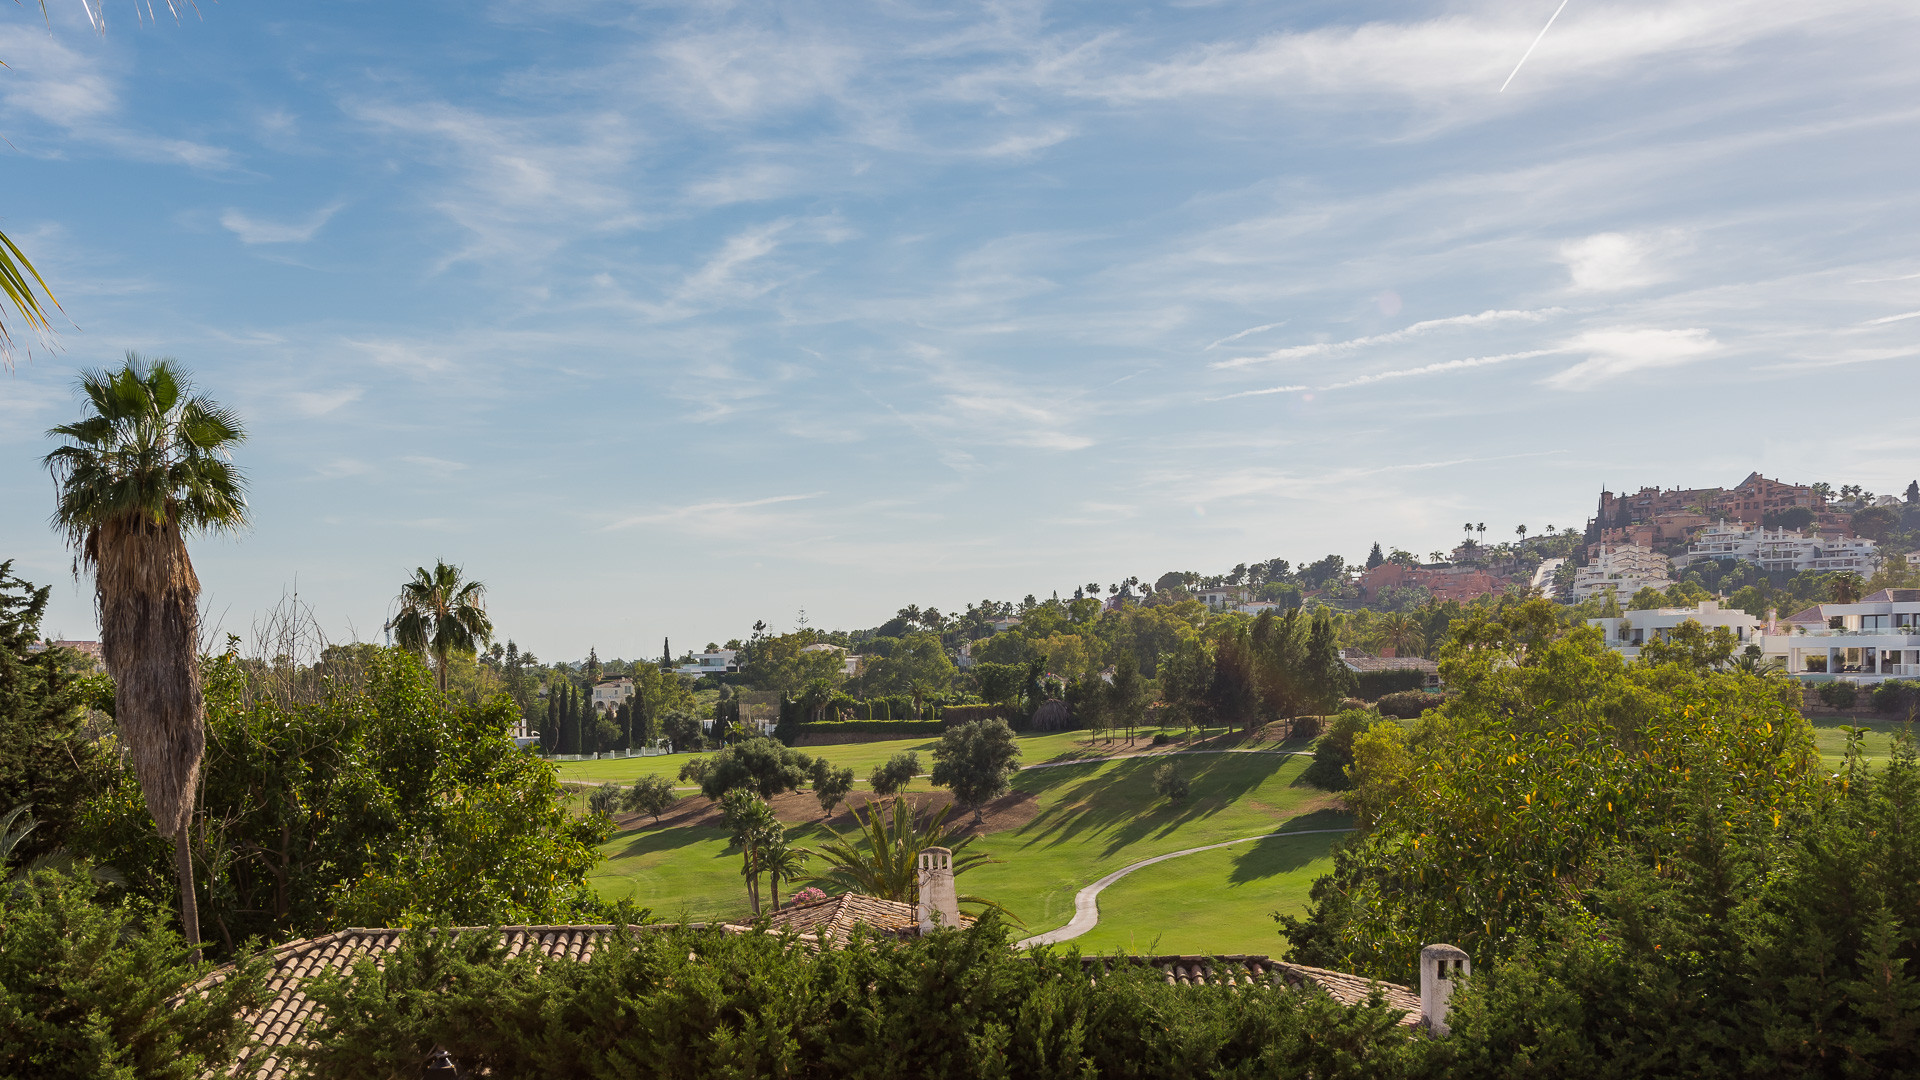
646 751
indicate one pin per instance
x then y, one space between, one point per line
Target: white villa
1783 549
718 662
1624 568
1877 638
610 694
1629 632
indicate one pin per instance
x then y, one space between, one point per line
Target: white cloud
252 230
1433 61
67 89
401 355
1261 393
1441 366
1327 348
320 403
1612 261
739 72
1613 353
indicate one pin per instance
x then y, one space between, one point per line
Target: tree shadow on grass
1275 855
1119 797
646 842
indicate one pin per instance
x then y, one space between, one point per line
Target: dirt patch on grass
1010 811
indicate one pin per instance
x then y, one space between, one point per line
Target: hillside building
1782 550
610 694
1624 568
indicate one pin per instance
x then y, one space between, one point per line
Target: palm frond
18 281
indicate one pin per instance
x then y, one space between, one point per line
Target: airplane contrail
1535 45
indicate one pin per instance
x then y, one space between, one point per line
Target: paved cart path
1086 902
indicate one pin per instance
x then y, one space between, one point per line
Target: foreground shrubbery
1648 864
695 1003
88 988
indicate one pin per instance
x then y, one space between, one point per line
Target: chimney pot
1440 967
939 907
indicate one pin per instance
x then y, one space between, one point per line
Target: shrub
1897 696
697 1003
88 989
893 777
1838 694
1161 738
1334 752
604 800
650 795
1169 784
1353 703
1377 684
1305 727
1409 704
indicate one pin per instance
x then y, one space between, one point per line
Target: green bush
93 989
1838 694
1897 696
1374 685
1169 784
686 1003
1409 704
1334 752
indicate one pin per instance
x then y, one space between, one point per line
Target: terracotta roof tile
1252 971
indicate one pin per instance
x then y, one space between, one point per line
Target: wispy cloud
252 230
322 402
713 516
67 89
1440 367
1332 348
1892 318
1262 393
1614 353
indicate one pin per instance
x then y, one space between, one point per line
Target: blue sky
663 318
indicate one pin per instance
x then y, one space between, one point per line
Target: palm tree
440 615
1401 632
150 466
782 862
882 858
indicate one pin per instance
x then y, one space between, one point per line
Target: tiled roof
835 917
284 1017
1810 615
1242 970
1391 663
1893 596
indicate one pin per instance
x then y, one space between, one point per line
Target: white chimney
939 904
1440 966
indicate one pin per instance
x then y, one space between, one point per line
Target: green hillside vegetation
1082 821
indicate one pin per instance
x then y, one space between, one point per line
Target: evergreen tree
46 760
593 668
666 654
1374 558
1327 678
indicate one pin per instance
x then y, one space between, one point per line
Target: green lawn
1089 820
1876 747
862 757
1219 901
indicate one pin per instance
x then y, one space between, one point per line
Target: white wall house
1624 568
1877 638
1222 597
849 665
1629 632
1783 549
718 662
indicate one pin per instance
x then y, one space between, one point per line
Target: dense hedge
903 728
697 1003
1897 696
1374 685
1409 704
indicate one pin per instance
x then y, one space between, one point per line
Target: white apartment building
1624 568
1877 638
610 694
1783 549
1629 632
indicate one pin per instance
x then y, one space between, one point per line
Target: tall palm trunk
150 640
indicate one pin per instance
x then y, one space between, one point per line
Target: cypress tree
550 738
666 655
